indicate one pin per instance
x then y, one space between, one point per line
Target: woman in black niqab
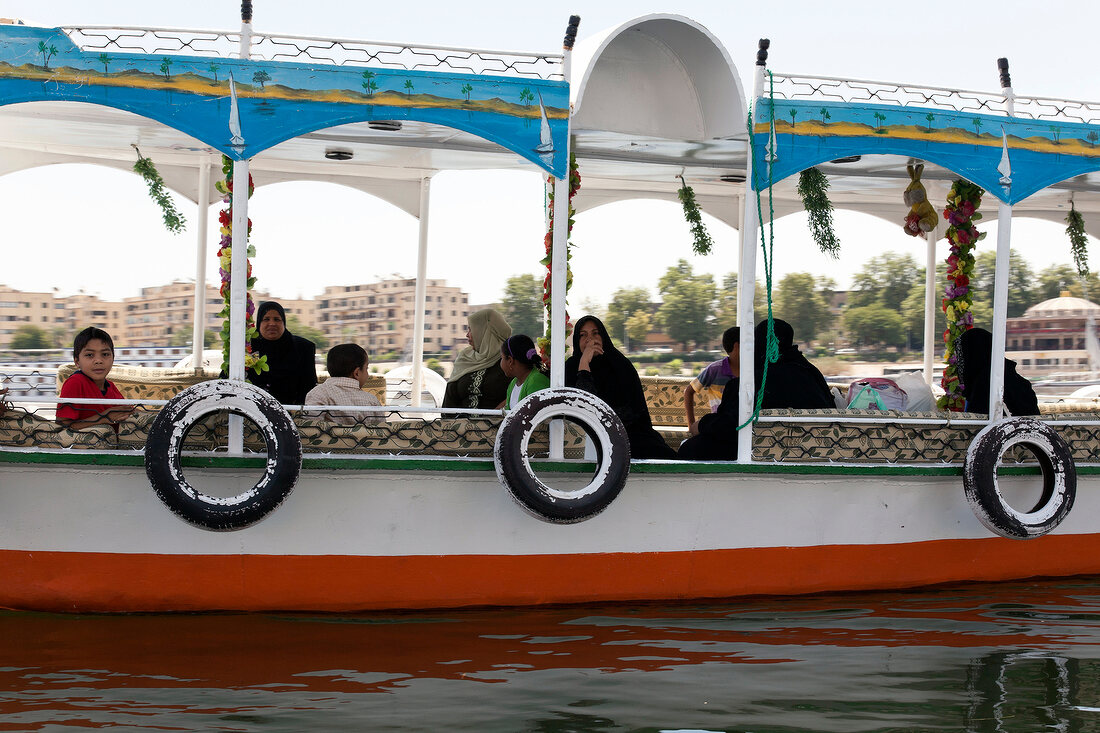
291 360
973 355
610 376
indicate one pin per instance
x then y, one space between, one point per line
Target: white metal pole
930 303
199 331
238 270
746 280
1000 280
420 295
559 262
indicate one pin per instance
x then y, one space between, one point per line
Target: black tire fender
600 422
165 444
980 478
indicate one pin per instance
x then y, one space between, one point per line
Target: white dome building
1057 336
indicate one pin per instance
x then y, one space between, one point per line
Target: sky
95 229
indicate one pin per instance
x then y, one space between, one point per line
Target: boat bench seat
158 383
473 436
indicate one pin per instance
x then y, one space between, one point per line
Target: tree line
884 308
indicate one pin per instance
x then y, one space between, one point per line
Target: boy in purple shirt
713 380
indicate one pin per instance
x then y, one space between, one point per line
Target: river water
1000 657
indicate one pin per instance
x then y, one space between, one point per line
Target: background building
379 316
1053 337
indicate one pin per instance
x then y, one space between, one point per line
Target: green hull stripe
484 465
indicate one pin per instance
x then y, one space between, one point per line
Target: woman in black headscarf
596 366
292 371
973 355
793 383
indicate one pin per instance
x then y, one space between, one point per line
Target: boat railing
305 49
863 437
821 88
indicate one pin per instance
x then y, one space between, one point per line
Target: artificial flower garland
701 241
173 219
225 262
961 213
813 187
1078 243
548 260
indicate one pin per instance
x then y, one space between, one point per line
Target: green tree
624 303
526 97
260 77
727 302
29 336
184 336
884 279
522 305
298 328
105 60
166 68
1056 279
912 309
689 305
638 327
61 337
213 69
874 325
409 85
1021 282
466 89
368 82
800 301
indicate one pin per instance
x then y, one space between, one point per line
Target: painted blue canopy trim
277 101
1041 152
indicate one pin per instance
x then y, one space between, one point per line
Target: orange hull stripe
88 582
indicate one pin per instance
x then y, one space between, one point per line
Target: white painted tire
165 445
1055 459
514 468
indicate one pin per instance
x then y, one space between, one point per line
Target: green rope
767 247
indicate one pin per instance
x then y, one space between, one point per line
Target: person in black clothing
973 355
792 383
596 366
292 371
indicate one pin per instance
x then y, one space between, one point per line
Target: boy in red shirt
94 353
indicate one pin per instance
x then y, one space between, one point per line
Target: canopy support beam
199 330
420 296
930 303
1000 312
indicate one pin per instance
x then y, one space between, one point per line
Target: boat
269 510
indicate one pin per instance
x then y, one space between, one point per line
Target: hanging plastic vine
813 187
1078 242
701 241
225 262
548 260
961 213
173 219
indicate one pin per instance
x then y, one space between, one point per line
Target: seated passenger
712 381
596 366
520 360
477 381
94 354
347 375
973 355
292 371
793 382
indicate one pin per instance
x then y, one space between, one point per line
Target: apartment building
18 308
380 316
158 315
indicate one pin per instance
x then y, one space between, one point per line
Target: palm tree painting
879 119
793 113
930 117
46 52
526 97
1092 137
977 122
260 77
213 69
824 113
166 68
409 85
105 60
466 89
1055 133
369 84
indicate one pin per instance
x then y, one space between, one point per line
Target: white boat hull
82 537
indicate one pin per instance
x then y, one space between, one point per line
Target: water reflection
988 658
